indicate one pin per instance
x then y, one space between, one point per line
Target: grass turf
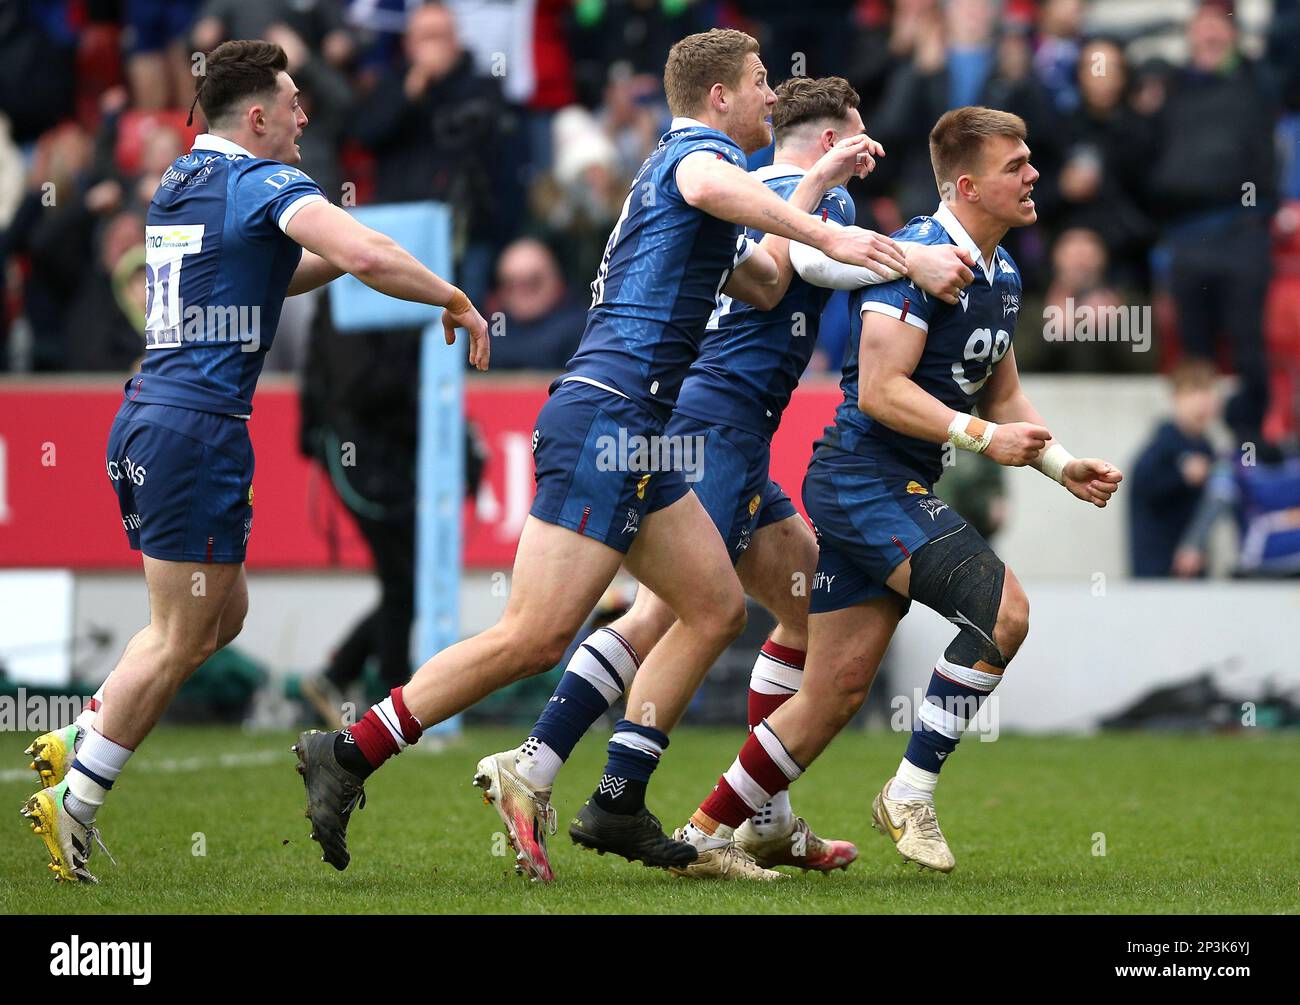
1189 824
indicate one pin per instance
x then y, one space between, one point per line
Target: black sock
619 795
349 755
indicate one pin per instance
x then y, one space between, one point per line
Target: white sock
719 838
775 818
912 784
98 763
537 763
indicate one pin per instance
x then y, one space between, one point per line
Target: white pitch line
173 765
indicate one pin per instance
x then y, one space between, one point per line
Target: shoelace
547 812
927 823
356 801
733 854
94 835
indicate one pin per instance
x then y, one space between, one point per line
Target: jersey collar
686 122
947 219
211 141
769 171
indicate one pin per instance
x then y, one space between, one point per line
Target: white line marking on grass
180 765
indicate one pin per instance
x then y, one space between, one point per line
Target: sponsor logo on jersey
917 489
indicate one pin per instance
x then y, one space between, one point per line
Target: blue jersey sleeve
902 299
714 143
267 195
837 207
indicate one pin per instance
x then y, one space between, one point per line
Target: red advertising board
57 510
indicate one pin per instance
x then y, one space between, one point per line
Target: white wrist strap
1053 462
966 432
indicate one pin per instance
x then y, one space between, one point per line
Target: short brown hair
699 61
1192 373
809 99
957 139
236 71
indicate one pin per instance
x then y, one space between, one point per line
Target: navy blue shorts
732 480
600 466
870 515
184 482
152 25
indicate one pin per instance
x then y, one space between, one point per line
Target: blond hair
699 61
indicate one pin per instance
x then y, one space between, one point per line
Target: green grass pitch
1189 824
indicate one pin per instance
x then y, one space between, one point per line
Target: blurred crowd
1166 132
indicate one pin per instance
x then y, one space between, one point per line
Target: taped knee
960 577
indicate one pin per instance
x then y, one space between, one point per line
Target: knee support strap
960 577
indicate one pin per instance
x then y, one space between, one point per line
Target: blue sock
599 671
952 701
573 707
634 753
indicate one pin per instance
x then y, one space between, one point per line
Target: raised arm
329 233
942 270
723 190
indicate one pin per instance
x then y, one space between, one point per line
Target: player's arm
1003 400
347 245
854 156
719 188
942 270
312 273
889 352
756 278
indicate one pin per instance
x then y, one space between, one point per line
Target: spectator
106 320
158 65
37 75
318 22
54 227
541 323
1213 183
437 131
1103 157
1057 53
1079 294
1170 474
580 198
1261 491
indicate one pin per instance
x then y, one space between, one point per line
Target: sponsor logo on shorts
250 494
753 504
822 581
537 435
917 489
132 521
633 523
933 505
640 486
128 469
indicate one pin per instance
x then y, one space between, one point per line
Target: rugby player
730 405
676 245
915 371
233 229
